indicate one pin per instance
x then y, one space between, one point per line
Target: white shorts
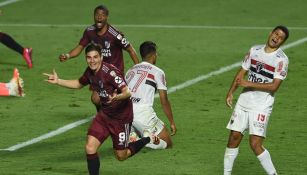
256 122
145 118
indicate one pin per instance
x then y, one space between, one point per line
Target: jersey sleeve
85 39
84 79
117 80
122 41
281 69
246 63
161 81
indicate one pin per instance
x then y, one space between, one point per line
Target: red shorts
102 126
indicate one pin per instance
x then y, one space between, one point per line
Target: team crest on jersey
100 84
107 44
118 80
259 66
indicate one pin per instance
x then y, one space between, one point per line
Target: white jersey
262 68
143 80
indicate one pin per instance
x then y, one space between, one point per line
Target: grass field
195 38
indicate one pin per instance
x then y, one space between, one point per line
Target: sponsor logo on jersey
280 66
103 93
113 74
258 124
124 42
118 80
119 36
135 100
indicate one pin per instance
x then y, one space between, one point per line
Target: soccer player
266 66
115 116
112 42
144 79
107 37
8 41
14 87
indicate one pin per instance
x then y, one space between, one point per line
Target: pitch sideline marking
170 90
4 3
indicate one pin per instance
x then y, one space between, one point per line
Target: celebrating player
112 42
107 37
143 80
115 116
266 66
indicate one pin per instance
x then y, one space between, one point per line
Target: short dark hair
102 7
284 29
93 47
147 48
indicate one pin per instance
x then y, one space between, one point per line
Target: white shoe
153 138
133 137
16 85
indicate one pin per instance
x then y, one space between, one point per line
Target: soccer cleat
153 138
27 55
16 85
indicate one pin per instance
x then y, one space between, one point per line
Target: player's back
143 80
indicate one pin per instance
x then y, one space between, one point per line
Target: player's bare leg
232 151
263 155
165 140
93 162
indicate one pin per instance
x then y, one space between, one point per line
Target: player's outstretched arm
54 79
73 53
167 110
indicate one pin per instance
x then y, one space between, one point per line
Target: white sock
229 157
161 145
266 162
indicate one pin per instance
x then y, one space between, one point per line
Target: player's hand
229 100
113 97
64 57
52 78
173 129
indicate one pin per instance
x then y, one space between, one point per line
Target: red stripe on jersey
151 76
266 66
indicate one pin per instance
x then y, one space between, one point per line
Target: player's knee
90 148
255 145
121 156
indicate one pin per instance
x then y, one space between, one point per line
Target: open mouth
274 41
99 24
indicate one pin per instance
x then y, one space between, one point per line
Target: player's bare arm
229 98
167 110
54 79
272 87
125 93
73 53
133 54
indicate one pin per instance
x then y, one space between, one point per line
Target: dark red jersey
105 82
112 43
